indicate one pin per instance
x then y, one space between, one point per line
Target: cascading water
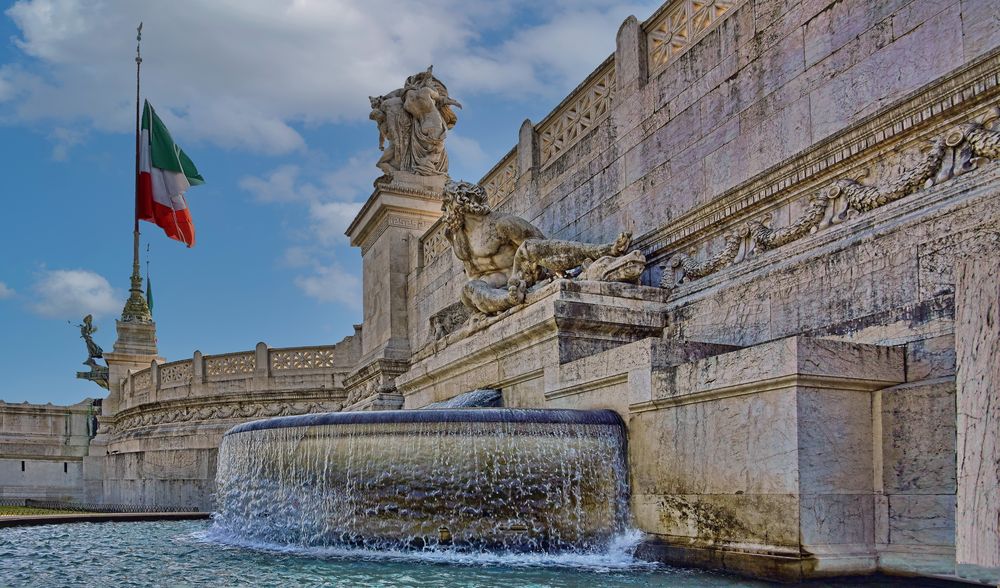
507 480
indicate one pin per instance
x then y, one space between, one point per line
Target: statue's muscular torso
488 243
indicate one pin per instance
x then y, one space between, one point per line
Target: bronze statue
98 373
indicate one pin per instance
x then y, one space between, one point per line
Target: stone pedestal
761 460
134 349
977 345
387 230
561 322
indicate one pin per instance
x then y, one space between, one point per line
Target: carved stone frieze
578 116
959 151
178 372
448 320
434 243
141 418
764 237
684 267
500 182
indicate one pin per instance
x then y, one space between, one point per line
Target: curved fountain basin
508 479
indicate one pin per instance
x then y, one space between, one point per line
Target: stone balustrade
580 113
678 25
500 181
264 369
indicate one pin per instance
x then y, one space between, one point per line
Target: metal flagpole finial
138 42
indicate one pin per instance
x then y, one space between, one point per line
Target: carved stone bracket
378 377
957 152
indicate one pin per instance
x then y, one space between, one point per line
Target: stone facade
790 387
808 352
42 448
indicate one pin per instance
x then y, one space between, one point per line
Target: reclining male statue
505 255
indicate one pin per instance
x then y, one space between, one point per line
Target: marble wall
977 335
42 448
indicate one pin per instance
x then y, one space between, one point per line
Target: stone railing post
527 153
154 380
630 58
262 367
197 373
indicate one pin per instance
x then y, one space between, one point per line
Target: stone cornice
403 201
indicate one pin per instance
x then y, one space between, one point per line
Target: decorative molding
303 359
977 83
393 220
679 26
684 267
585 109
134 419
230 364
956 152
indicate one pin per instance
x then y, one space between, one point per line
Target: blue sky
269 98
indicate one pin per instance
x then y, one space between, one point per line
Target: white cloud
331 283
64 139
278 186
329 220
6 291
73 293
245 73
466 153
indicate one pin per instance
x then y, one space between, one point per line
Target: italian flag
165 173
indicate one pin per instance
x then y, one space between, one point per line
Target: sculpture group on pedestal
414 119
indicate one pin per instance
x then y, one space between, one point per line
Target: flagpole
136 308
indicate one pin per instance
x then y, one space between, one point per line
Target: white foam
619 555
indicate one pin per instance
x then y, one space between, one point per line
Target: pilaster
386 228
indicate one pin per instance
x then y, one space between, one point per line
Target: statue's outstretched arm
518 230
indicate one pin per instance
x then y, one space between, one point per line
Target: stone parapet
43 447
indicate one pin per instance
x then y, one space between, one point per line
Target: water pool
188 553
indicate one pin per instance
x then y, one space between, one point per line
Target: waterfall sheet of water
495 481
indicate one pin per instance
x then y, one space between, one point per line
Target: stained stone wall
42 447
794 171
978 345
674 147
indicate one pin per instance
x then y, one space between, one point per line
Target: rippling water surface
189 553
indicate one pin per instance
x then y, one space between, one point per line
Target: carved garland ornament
957 152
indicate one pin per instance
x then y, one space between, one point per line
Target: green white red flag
165 174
